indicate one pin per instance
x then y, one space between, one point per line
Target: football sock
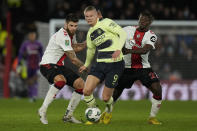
109 105
90 101
73 103
51 94
155 107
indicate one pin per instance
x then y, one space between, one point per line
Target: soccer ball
93 114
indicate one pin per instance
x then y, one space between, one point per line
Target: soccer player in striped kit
62 45
140 41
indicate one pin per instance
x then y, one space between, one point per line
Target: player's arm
143 50
65 43
72 56
150 44
79 46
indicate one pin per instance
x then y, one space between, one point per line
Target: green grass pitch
21 115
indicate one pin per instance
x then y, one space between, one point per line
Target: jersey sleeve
151 40
111 26
128 43
91 48
64 42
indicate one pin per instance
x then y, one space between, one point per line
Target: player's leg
32 84
90 84
95 77
108 99
126 81
78 83
59 82
151 81
156 102
114 71
54 76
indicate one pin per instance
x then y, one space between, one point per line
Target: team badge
138 36
99 31
66 42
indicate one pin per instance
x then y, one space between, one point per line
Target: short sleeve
64 42
151 40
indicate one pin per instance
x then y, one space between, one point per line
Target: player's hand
116 54
85 44
83 69
125 51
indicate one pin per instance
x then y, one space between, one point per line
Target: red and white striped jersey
136 39
55 50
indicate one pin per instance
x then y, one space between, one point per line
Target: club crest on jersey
138 36
66 42
99 31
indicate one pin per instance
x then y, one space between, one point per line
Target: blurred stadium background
175 24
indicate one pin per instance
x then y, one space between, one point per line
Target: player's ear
65 25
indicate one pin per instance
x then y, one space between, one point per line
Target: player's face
91 17
144 22
72 27
32 36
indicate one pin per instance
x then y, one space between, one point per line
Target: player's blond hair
89 8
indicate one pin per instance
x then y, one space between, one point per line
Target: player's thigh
148 77
72 78
114 73
52 73
90 84
126 79
98 70
107 93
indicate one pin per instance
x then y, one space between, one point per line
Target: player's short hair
72 17
147 14
89 8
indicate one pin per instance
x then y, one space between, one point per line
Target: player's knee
60 84
87 92
78 83
106 98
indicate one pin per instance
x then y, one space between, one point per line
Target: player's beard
69 32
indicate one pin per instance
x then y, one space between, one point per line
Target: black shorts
49 71
130 75
110 72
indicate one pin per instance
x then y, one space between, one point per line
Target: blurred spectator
31 52
16 84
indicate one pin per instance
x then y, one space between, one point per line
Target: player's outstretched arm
143 50
79 46
72 56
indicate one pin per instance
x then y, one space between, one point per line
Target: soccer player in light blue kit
107 38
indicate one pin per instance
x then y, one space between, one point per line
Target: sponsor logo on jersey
153 38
